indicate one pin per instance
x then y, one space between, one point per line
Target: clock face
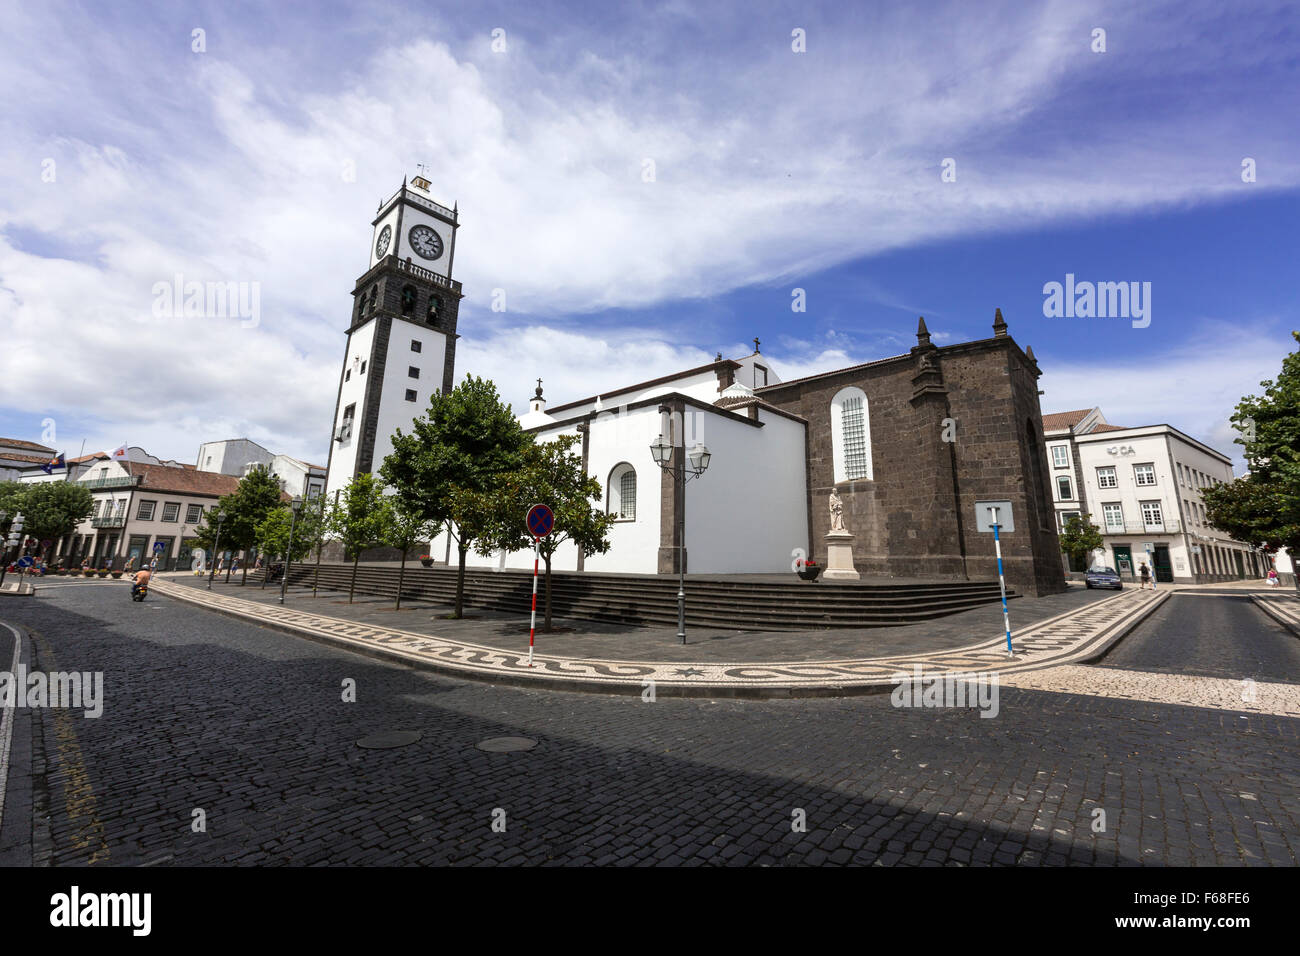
426 243
385 237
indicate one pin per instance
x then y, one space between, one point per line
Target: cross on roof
756 343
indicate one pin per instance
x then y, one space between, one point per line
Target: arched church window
851 435
374 297
622 492
408 299
435 305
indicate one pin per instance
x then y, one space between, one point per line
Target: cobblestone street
249 725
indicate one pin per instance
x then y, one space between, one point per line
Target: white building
239 456
1142 487
746 437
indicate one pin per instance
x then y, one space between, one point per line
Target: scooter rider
141 580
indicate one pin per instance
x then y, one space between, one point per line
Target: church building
879 465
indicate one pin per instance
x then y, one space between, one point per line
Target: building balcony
122 481
109 521
1168 526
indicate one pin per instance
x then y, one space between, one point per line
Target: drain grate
505 745
388 739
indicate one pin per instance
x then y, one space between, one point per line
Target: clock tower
401 339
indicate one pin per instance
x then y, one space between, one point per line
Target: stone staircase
650 600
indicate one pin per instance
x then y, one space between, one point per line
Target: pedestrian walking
1145 574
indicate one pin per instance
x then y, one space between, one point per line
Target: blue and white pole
1002 581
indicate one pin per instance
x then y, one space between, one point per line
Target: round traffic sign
25 562
540 521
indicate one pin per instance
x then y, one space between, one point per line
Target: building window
171 511
412 372
1114 514
94 509
1182 478
119 510
435 306
408 300
760 376
851 435
410 394
1145 474
415 345
363 367
347 376
374 297
621 495
193 514
345 429
1152 519
1106 477
145 511
1065 518
1063 488
1060 456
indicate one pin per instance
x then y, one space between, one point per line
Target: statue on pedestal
837 513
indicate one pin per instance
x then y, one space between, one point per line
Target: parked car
1103 578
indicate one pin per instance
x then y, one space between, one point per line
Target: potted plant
426 560
103 572
115 574
808 569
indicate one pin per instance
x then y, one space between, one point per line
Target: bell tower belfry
401 338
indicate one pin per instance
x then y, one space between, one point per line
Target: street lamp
697 460
295 506
15 537
216 546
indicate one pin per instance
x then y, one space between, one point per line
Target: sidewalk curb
1276 614
1092 649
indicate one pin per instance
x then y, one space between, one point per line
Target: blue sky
260 159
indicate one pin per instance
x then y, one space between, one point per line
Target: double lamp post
696 461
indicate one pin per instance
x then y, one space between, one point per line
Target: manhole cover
505 745
389 739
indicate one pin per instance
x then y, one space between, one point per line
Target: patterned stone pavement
1074 636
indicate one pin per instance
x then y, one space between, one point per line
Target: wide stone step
653 601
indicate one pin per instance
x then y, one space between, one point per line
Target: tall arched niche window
621 492
851 435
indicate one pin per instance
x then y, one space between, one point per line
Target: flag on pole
58 461
120 453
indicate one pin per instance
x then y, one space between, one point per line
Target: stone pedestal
839 557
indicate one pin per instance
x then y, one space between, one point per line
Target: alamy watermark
177 299
979 689
76 690
1098 300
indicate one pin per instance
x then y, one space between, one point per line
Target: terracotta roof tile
1111 428
183 480
30 445
1058 420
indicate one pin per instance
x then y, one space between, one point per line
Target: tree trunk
461 548
401 573
243 578
546 628
316 580
230 566
356 559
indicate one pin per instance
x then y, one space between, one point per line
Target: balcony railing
122 481
108 521
423 273
1168 526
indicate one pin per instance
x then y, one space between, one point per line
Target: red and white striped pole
532 630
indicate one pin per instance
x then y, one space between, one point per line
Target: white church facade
904 445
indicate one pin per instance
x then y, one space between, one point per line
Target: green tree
401 527
551 474
1263 508
358 521
205 533
275 528
1079 539
254 498
457 451
51 509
